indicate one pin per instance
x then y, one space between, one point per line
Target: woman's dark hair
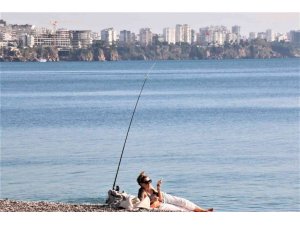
141 176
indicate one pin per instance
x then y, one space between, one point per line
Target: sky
133 21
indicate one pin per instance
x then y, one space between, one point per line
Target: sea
221 133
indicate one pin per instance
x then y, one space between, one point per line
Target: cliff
257 49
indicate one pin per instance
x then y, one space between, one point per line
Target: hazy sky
257 22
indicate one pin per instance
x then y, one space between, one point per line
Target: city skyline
249 22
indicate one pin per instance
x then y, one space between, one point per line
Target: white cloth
123 200
174 203
131 202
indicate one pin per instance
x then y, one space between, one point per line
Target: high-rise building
295 36
2 23
60 39
193 36
205 35
236 30
187 35
270 35
231 38
81 38
5 36
219 37
145 36
26 40
183 33
261 35
133 37
169 35
215 35
281 37
179 33
63 38
125 37
109 36
252 36
95 36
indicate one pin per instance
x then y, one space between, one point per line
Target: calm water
224 134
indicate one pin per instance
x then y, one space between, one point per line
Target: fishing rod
146 77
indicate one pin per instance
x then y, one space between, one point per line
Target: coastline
7 205
255 49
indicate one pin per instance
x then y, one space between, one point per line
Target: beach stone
23 206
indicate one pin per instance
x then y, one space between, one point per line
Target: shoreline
145 60
7 205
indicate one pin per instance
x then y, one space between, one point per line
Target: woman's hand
159 183
160 197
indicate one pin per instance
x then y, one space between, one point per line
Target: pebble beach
41 206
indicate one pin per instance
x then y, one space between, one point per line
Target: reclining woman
162 200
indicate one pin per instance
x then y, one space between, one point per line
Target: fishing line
146 77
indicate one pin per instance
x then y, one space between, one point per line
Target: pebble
41 206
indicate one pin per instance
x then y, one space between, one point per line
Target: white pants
173 203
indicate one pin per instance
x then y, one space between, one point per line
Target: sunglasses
147 181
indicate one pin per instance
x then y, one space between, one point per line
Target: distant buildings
109 36
295 36
281 37
27 40
126 37
81 38
179 33
60 39
183 33
31 36
5 36
169 35
145 36
213 35
252 36
187 34
261 35
63 39
2 23
237 31
193 36
270 35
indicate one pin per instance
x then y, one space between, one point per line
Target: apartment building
270 36
252 36
295 36
109 36
60 39
236 30
169 35
261 35
179 33
187 34
26 40
63 38
81 38
214 35
193 36
125 37
145 36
